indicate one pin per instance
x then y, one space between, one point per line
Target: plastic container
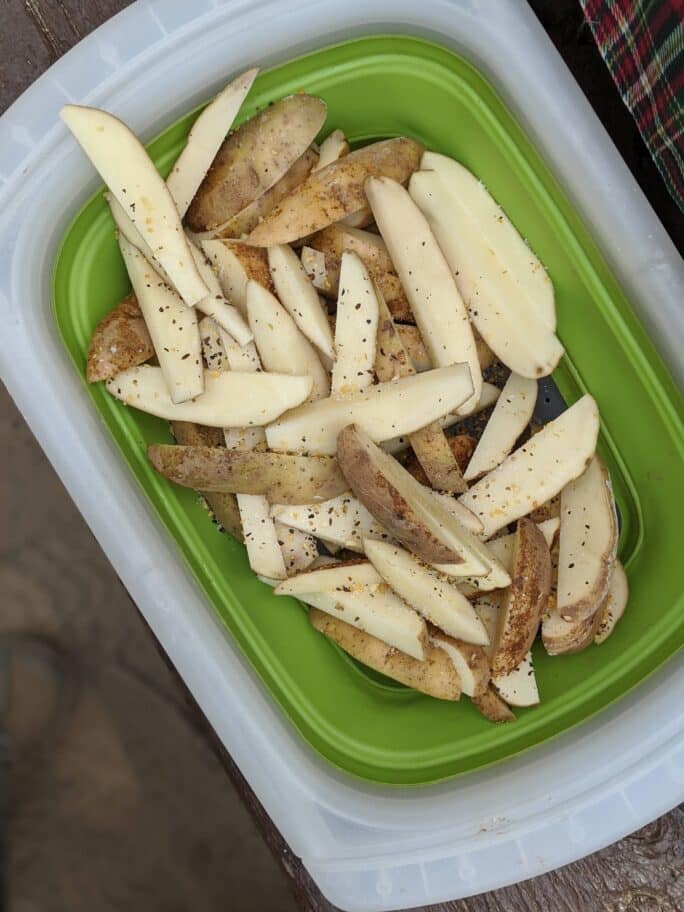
367 846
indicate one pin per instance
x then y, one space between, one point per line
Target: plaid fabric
642 43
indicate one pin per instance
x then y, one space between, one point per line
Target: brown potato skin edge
493 707
122 329
434 676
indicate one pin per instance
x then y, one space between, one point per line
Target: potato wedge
281 346
435 300
519 687
313 263
254 158
333 192
406 509
382 411
261 537
471 662
119 341
511 415
280 477
462 447
235 264
462 514
525 600
333 147
299 550
434 676
614 604
588 542
429 593
492 707
215 304
342 521
538 470
562 637
229 399
356 329
126 168
347 576
241 224
503 548
222 352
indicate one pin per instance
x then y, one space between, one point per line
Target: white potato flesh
299 297
614 604
429 593
332 148
518 687
511 415
428 282
313 262
459 654
520 337
261 537
129 173
503 548
538 470
229 399
382 411
298 549
342 521
215 305
489 396
282 347
230 272
171 324
462 514
377 611
331 577
205 139
588 542
356 329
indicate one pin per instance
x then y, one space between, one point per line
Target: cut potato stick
235 264
341 521
588 542
222 352
229 399
519 686
407 510
335 191
435 300
334 146
119 341
280 477
434 676
132 178
299 550
511 415
614 604
348 576
313 262
215 304
356 329
254 158
538 470
261 537
171 324
281 346
470 661
429 593
462 447
398 407
299 297
414 345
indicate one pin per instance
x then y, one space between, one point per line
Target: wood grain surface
643 873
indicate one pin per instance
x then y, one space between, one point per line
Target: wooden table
644 872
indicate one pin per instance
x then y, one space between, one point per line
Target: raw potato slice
205 138
235 264
463 515
438 600
588 542
215 305
503 548
518 687
313 262
280 477
342 521
435 300
356 329
336 191
348 576
471 662
564 637
332 148
172 327
511 415
281 346
406 509
398 407
254 157
261 537
222 352
299 550
614 604
525 600
520 338
229 399
132 178
538 470
434 676
461 446
376 611
120 340
493 707
299 297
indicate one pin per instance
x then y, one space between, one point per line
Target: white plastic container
367 847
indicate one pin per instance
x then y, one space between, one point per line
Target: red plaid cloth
642 43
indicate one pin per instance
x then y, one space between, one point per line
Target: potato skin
119 341
386 504
336 191
254 261
280 477
254 157
525 600
434 676
493 707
